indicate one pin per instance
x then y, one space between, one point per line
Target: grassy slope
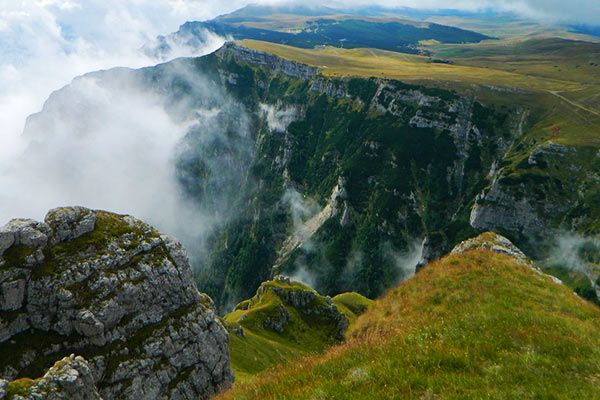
307 333
506 26
470 326
406 67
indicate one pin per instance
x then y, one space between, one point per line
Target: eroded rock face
114 290
69 379
286 67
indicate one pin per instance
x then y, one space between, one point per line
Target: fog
406 262
109 147
113 141
575 252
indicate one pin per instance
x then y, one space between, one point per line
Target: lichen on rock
114 290
69 379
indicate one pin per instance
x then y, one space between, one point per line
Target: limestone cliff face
114 290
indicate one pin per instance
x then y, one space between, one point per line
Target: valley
371 206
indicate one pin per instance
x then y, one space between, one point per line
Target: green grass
471 326
307 332
20 388
408 67
352 304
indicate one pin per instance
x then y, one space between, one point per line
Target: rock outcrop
69 379
494 242
111 289
282 305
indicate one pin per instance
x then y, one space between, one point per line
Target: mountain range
397 208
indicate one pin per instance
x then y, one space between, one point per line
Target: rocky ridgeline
490 241
115 291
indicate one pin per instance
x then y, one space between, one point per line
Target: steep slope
343 178
286 320
114 290
544 183
482 322
346 198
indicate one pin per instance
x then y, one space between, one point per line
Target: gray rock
69 379
492 242
277 64
88 325
498 210
25 232
7 239
278 322
128 298
11 295
70 223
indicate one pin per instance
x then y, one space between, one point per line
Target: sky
44 44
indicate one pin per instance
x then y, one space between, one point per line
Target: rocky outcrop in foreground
115 291
69 379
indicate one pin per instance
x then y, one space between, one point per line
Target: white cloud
46 43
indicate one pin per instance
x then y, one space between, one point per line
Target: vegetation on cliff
286 320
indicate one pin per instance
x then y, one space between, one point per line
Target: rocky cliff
114 290
69 379
420 169
270 61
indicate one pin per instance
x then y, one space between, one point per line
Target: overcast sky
45 43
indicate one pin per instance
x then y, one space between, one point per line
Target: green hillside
475 325
286 320
307 28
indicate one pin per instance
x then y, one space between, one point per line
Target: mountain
309 27
315 166
110 289
482 322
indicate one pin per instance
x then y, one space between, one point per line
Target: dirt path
573 103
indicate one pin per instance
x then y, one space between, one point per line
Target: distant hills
305 27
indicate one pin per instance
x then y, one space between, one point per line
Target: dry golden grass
406 67
470 326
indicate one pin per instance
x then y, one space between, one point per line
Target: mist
406 262
576 252
114 141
